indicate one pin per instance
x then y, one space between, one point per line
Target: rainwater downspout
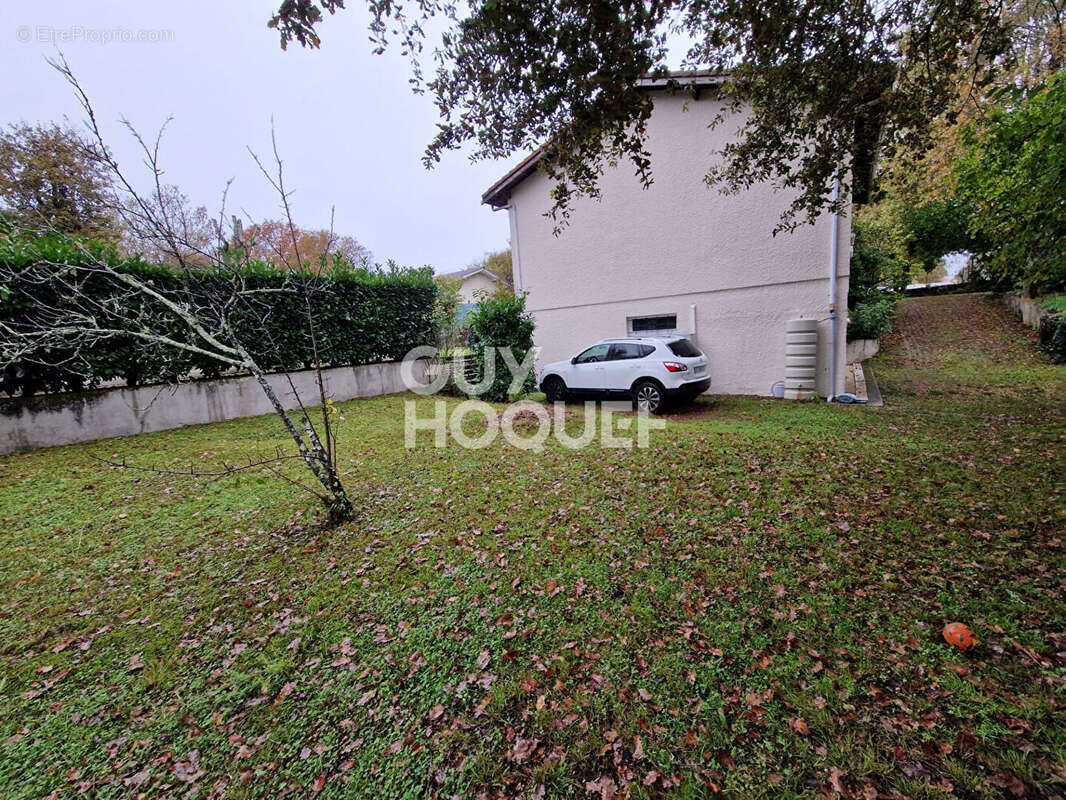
516 259
834 264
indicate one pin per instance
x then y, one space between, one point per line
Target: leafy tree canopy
275 241
879 257
499 264
1013 174
939 228
53 178
826 79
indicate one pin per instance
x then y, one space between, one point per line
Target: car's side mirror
573 360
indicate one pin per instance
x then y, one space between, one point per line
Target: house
680 256
473 280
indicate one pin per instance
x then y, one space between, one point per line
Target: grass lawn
752 605
1055 302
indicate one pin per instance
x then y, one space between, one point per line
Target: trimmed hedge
361 315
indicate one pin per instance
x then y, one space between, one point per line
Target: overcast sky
349 128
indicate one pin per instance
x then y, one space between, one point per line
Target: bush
446 313
871 318
362 316
879 256
1053 337
501 321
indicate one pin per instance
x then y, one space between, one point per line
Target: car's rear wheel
649 396
555 390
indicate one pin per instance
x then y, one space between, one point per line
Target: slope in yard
752 605
969 344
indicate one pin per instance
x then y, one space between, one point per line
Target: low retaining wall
1051 325
27 423
861 349
1026 308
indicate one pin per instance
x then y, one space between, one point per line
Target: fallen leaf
834 780
522 748
137 778
605 787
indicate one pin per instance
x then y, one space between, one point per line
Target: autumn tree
1038 40
826 80
498 263
53 177
918 195
199 235
272 240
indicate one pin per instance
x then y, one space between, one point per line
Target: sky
350 131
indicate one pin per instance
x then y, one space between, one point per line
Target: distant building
473 280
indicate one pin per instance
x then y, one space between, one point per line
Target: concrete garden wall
862 349
27 423
1027 308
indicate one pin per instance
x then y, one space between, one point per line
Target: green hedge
871 318
1053 336
501 321
362 316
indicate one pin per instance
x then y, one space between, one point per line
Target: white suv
652 371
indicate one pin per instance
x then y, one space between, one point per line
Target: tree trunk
339 506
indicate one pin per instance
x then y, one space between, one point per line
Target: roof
463 274
499 193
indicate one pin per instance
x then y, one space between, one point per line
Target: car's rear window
684 349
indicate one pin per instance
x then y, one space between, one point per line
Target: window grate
657 325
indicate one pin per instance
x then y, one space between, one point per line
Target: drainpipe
834 262
516 262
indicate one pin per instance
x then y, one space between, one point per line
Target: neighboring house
680 256
473 280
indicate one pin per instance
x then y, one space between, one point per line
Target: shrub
446 312
1054 302
362 316
501 321
1053 337
871 318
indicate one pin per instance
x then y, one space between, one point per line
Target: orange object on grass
958 635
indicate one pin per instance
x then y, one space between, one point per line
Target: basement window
661 325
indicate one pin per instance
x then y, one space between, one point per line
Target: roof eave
499 194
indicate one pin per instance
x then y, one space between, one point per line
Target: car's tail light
675 366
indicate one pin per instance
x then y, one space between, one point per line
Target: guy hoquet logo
524 424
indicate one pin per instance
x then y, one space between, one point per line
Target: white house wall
659 251
474 284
